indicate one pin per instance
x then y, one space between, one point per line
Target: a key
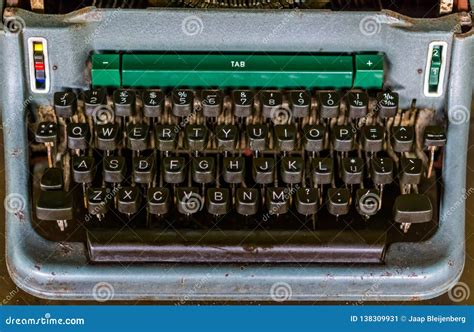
343 138
313 138
52 179
83 169
352 170
412 208
158 201
247 201
368 201
47 132
203 170
387 104
183 102
226 137
188 200
271 102
114 169
98 200
339 201
166 137
94 99
78 136
300 103
291 169
108 136
285 137
124 102
357 103
402 138
323 170
153 103
211 101
242 101
307 201
65 104
174 169
218 201
329 104
234 170
434 136
143 169
411 170
278 200
137 136
55 205
128 200
372 138
196 137
257 137
263 170
382 170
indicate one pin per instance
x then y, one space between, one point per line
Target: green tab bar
106 70
369 71
226 70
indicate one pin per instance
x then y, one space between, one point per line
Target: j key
128 200
166 137
243 103
343 138
372 138
107 136
322 170
411 170
137 136
143 169
98 200
291 169
387 104
271 102
352 170
226 137
93 99
83 169
114 169
196 137
55 205
47 132
183 102
313 138
218 201
263 170
434 136
300 103
124 102
339 201
329 104
52 179
278 200
78 136
234 169
247 201
203 170
307 201
153 103
402 138
174 169
412 208
357 103
65 104
211 101
188 200
158 201
382 170
257 136
285 137
368 201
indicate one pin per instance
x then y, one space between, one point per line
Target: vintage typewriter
236 150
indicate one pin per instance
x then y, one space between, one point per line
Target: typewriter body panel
63 269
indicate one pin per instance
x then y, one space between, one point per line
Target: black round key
257 137
323 170
218 201
107 136
307 201
402 138
343 138
387 104
203 170
153 103
263 170
166 137
313 138
382 170
65 104
128 200
158 200
114 169
226 137
183 101
339 201
285 137
411 170
291 169
372 138
211 101
47 132
270 101
143 169
93 99
78 136
83 169
196 137
247 201
434 136
368 201
124 102
357 102
137 136
234 169
278 200
188 200
300 103
329 102
174 169
243 103
352 170
98 200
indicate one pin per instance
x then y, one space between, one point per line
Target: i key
285 137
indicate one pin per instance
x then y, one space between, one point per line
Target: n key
246 202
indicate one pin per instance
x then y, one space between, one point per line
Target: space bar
190 246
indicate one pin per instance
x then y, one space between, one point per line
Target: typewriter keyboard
235 175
